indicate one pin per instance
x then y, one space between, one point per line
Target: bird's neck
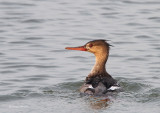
99 67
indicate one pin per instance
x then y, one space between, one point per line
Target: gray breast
88 89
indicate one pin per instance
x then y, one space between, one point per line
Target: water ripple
36 70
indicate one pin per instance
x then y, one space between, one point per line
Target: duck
98 81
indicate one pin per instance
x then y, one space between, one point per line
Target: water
38 75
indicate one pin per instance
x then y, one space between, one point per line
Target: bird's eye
90 45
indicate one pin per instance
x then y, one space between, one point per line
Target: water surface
38 75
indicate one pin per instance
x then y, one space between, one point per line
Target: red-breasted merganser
98 81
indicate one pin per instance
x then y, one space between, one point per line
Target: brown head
100 48
97 47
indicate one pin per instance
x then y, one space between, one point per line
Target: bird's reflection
99 102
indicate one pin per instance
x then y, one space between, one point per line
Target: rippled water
38 75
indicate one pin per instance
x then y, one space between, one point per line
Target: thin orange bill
81 48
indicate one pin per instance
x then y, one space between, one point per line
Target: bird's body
98 81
